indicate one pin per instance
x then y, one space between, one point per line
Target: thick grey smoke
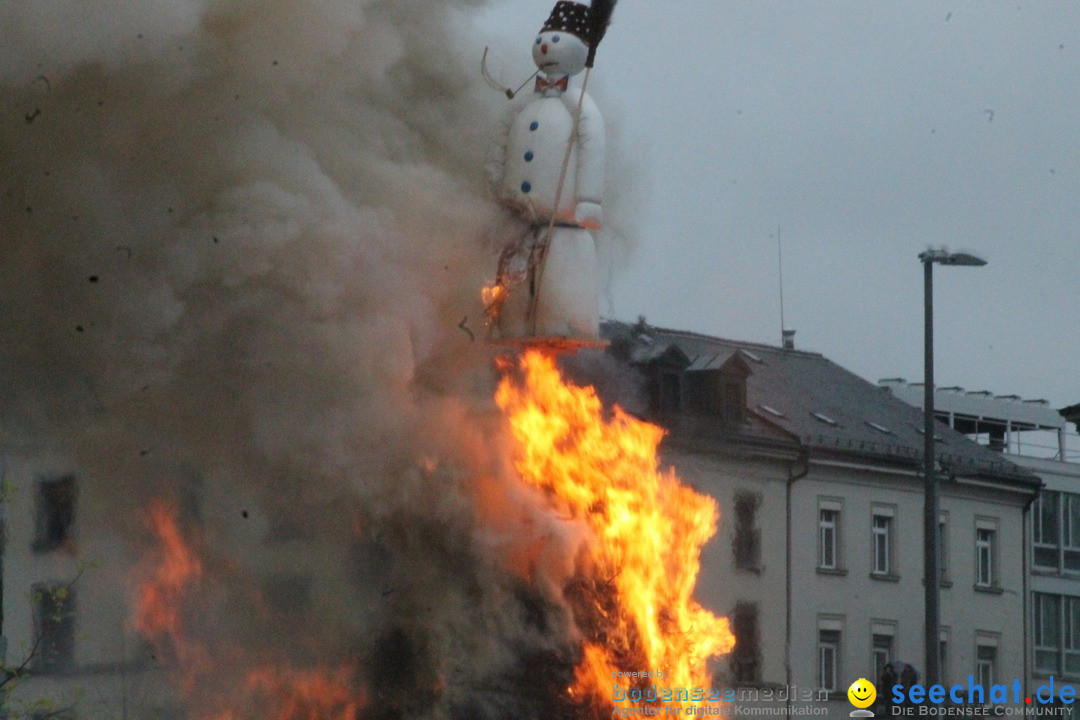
241 244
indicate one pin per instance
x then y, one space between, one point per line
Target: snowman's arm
590 155
588 175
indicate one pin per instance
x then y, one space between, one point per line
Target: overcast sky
865 131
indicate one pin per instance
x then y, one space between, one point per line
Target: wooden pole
546 241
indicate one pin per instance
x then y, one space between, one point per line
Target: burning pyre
629 594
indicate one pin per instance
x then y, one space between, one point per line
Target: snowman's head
557 52
561 48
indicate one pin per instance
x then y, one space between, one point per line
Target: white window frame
828 658
1055 634
878 659
882 542
1070 642
1046 631
1070 552
986 668
1043 538
830 640
1068 532
984 553
826 528
986 540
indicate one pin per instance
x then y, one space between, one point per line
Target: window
882 651
828 538
1070 530
746 545
54 627
1072 635
985 553
1046 625
882 544
828 659
746 657
1056 633
1055 531
717 392
54 515
986 665
1044 531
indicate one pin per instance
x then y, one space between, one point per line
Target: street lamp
931 537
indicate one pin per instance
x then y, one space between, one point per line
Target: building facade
68 647
1036 437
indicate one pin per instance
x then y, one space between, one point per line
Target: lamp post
931 535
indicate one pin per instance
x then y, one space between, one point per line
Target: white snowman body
558 297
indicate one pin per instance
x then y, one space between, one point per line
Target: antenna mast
780 265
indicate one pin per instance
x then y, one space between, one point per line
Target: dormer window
712 384
716 386
663 365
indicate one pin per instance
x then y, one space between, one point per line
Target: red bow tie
543 84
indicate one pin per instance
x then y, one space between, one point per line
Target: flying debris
463 326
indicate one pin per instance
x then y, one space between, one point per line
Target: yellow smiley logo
862 693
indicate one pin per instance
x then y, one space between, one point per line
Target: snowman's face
559 53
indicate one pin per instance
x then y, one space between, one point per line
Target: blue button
528 156
526 186
533 125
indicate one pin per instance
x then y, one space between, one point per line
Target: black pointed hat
569 17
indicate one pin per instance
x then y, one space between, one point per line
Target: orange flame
493 298
634 603
160 596
270 691
300 695
273 693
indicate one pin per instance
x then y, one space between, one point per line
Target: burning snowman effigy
553 177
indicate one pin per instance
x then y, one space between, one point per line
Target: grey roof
823 405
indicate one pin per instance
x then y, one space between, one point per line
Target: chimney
789 339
